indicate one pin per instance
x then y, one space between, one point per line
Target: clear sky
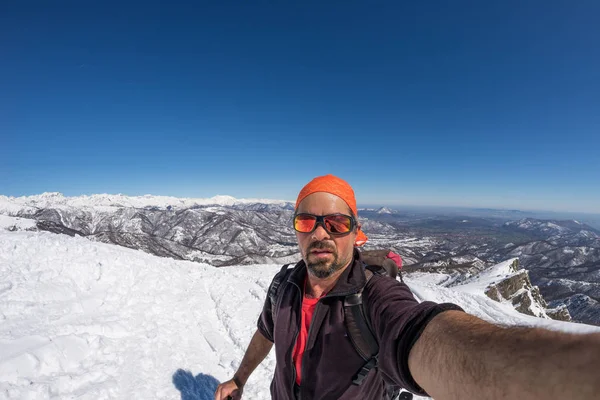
474 103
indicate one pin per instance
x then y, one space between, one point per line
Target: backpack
358 325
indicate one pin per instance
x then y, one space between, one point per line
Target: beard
326 267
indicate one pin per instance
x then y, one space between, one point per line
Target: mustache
321 246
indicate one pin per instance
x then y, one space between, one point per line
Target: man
427 348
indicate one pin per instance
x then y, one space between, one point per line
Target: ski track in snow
87 320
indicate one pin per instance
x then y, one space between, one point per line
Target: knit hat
338 187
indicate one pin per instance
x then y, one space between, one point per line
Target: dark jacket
330 361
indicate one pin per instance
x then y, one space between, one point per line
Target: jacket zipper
308 336
343 294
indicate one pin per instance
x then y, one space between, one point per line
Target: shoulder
285 271
282 276
386 288
382 282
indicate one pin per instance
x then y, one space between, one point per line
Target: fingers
221 393
227 390
235 395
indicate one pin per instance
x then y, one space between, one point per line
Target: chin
323 269
320 273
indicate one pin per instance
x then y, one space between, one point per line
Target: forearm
459 356
258 349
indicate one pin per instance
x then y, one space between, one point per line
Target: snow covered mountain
562 257
88 320
505 283
55 199
564 262
221 230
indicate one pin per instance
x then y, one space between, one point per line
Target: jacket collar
351 281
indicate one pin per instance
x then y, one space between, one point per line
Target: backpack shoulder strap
359 331
274 289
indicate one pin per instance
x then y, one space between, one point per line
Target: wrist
238 382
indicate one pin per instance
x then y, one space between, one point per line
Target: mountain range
562 257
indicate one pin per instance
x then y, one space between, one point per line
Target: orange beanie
338 187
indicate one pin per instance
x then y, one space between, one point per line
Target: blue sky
488 104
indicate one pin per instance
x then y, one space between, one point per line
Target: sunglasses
335 224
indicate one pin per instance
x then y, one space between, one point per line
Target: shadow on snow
200 387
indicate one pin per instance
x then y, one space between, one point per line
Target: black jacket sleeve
398 320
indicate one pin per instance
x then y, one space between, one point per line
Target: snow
587 234
105 202
7 206
88 320
437 279
414 242
477 284
16 223
524 224
554 226
490 310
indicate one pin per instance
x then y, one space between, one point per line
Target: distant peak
50 199
48 195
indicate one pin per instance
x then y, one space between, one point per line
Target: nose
320 233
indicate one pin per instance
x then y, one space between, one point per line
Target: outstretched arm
258 349
459 356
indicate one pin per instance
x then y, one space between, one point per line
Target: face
324 253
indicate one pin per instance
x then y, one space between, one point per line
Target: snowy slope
16 223
478 283
87 320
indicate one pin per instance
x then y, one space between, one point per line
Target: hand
228 390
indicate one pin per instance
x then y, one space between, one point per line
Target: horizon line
364 205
